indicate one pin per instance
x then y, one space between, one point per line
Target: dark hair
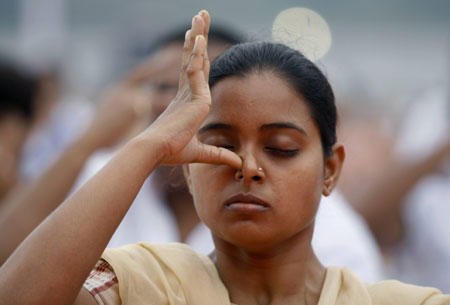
292 66
18 89
217 34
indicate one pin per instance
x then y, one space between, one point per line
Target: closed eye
229 147
281 152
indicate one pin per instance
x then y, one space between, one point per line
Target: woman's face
276 194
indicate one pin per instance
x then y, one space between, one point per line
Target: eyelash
274 151
282 152
227 147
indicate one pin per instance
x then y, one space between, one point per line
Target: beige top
174 274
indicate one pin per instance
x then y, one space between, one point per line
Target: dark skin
273 260
266 252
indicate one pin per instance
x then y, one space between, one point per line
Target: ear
333 167
187 177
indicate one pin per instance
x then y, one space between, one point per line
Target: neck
288 273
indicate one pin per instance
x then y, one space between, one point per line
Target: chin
249 237
254 238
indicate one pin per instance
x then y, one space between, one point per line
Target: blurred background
389 65
398 47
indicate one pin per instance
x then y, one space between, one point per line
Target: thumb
217 155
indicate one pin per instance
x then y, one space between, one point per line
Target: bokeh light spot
304 30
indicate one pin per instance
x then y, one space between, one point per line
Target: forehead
257 98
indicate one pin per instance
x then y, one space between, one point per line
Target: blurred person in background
163 210
400 183
27 206
60 119
423 250
18 92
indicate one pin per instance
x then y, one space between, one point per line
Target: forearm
50 266
27 207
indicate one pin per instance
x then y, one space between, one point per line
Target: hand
123 113
177 126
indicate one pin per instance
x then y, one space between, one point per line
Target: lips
246 203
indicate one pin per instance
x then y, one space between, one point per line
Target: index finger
217 155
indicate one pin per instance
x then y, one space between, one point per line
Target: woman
269 145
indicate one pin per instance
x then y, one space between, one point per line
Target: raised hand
176 128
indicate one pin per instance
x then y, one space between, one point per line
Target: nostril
256 178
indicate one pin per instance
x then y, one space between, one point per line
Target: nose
251 171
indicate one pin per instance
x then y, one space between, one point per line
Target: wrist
148 149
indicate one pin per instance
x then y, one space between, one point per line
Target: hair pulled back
292 66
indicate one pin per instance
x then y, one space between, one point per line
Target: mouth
246 203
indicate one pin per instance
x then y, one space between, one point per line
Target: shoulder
161 253
163 272
342 286
151 261
395 292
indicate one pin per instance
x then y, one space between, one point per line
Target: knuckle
210 154
191 71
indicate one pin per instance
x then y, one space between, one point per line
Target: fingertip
200 39
231 158
197 19
199 43
204 14
193 20
206 19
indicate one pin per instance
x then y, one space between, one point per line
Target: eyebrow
215 126
277 125
288 125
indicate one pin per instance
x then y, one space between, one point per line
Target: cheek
302 191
